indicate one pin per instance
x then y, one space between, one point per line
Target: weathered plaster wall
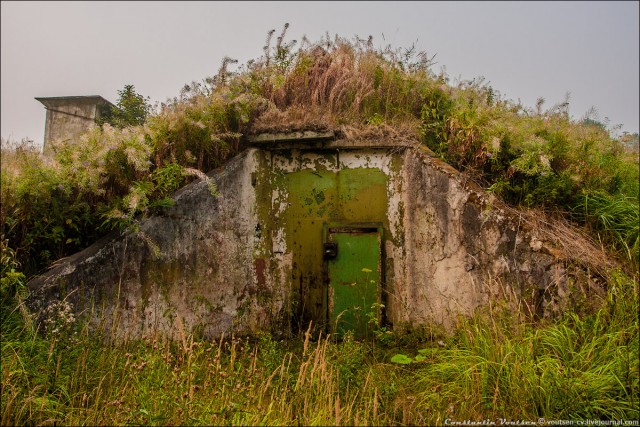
251 259
203 273
68 119
458 247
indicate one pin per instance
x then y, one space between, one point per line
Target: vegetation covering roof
529 157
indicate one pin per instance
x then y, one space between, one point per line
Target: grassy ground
577 368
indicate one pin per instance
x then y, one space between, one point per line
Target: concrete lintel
50 101
299 137
318 140
368 143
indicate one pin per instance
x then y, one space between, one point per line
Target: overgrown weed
234 381
575 368
493 366
528 156
581 367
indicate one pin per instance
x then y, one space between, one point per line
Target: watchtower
70 116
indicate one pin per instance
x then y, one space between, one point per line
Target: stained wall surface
306 191
252 258
69 117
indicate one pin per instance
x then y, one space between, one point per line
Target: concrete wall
251 259
459 245
69 117
202 277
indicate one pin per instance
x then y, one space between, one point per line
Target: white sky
524 49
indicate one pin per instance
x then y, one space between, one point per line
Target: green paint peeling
309 198
297 193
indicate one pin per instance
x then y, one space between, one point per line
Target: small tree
132 109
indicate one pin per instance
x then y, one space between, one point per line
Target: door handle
330 250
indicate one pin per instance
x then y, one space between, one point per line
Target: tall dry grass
495 365
578 368
81 377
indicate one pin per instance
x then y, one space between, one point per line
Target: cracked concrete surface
226 264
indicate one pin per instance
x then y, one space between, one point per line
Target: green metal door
354 279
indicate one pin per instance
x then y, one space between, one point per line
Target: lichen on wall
311 189
202 277
252 258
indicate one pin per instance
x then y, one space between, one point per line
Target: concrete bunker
313 228
68 117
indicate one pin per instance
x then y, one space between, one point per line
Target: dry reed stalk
293 118
572 243
318 359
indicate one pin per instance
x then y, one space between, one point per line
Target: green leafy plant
403 359
132 109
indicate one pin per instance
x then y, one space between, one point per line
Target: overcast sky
525 50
